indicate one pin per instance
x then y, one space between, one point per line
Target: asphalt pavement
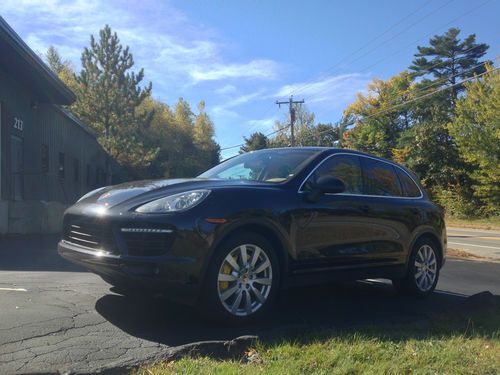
57 318
484 243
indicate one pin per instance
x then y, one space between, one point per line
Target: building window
76 170
45 158
61 165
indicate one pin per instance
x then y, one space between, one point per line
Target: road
484 243
55 317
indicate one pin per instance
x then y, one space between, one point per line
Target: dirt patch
457 253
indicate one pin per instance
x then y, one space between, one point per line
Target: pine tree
109 97
449 60
54 60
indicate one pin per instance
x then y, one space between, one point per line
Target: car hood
112 195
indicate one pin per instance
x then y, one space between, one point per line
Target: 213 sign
18 124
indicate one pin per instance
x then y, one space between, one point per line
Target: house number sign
18 124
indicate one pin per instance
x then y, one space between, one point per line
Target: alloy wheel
244 280
425 268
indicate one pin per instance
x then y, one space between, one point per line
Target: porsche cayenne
231 238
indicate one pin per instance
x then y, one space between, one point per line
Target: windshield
274 166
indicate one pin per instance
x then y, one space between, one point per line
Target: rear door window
346 168
410 189
379 178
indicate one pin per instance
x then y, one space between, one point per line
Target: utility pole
290 103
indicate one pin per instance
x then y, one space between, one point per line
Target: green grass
488 223
449 346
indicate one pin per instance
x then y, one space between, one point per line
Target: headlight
174 203
91 193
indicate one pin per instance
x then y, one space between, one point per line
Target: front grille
147 244
90 234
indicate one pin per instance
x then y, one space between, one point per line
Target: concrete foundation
25 217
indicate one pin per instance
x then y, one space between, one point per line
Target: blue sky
241 56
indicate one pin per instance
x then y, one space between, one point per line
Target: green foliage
144 136
109 99
444 136
449 60
55 61
377 125
476 130
256 141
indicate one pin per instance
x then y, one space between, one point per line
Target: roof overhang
29 69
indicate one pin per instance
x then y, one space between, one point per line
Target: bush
457 204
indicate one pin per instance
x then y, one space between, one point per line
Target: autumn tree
379 117
476 130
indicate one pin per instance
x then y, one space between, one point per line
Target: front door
334 230
360 227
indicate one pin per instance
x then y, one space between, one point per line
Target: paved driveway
55 317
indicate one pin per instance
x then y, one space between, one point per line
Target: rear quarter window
410 189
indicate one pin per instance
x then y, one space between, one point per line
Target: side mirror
324 185
328 184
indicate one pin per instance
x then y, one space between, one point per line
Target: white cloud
226 89
328 88
255 69
171 49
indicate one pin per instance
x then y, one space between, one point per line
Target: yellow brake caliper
226 269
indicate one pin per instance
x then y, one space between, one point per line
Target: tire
238 291
423 268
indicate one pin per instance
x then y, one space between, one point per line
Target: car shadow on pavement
33 253
296 310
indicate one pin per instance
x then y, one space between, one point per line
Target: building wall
45 192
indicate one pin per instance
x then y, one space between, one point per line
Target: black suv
229 239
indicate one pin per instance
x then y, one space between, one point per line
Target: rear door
387 210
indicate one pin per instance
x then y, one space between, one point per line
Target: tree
203 133
109 100
476 130
304 129
256 141
380 116
450 60
326 135
55 62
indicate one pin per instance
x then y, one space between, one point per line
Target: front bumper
173 276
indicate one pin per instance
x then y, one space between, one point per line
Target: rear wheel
242 279
423 270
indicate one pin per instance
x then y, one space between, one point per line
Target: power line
420 97
307 83
386 57
331 68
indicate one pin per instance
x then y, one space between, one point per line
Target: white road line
469 244
13 289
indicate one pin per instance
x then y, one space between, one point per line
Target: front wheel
242 279
423 270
